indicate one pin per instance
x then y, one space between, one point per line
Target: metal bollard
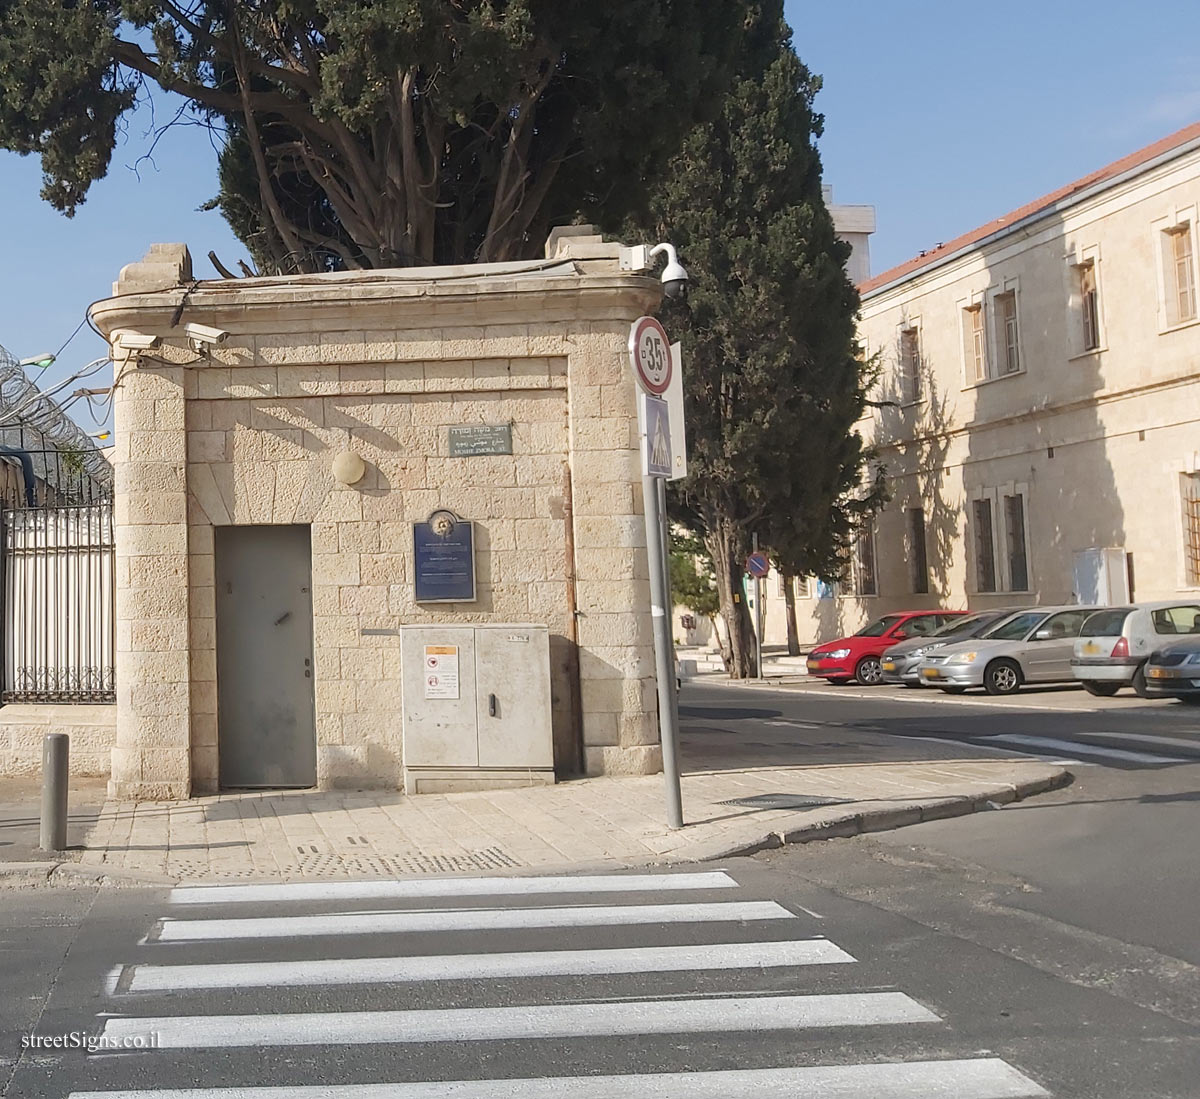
55 756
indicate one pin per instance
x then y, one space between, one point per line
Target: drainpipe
26 470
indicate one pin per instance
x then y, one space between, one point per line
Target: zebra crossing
606 986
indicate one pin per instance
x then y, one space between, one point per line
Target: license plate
814 664
931 673
889 666
1091 647
1158 673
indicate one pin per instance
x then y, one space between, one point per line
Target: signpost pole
660 614
758 617
653 367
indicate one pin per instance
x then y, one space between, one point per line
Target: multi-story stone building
1040 406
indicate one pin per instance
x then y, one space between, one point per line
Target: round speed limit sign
651 354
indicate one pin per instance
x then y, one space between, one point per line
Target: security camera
128 340
674 276
201 335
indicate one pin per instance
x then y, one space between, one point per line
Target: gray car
902 662
1033 646
1174 671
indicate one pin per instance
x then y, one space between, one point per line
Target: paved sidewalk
20 816
743 791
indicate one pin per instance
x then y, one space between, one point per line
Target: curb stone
885 820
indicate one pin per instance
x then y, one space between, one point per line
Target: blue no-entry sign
757 565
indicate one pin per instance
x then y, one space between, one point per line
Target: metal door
512 671
266 731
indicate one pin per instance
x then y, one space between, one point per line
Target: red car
857 656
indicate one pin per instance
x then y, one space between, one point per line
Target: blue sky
940 115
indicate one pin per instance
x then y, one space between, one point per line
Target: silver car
902 662
1113 645
1032 646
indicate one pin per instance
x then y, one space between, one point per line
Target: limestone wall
92 730
246 434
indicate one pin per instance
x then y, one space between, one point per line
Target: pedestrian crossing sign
656 437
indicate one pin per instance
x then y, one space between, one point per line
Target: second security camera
674 276
201 336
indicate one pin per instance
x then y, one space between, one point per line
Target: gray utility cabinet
476 707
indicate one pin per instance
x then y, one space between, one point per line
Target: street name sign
476 440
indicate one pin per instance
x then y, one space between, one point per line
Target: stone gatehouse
326 411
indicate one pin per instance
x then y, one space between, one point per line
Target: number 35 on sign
650 351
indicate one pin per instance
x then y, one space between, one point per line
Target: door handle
492 706
283 618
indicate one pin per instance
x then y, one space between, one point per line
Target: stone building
1042 421
327 409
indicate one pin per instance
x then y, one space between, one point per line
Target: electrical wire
25 407
67 341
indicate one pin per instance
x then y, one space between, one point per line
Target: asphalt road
783 987
1114 853
1047 948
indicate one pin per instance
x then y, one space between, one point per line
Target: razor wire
27 408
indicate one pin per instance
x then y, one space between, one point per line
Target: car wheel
868 671
1002 677
955 690
1139 682
1102 690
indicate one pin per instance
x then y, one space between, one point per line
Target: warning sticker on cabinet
441 671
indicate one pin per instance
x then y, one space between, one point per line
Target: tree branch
266 189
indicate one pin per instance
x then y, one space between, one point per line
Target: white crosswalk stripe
484 1024
448 887
982 1078
473 919
251 959
1075 747
462 967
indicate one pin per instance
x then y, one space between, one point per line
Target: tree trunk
728 547
789 603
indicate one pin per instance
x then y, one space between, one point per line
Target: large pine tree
773 377
377 133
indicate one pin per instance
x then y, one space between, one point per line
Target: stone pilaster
152 756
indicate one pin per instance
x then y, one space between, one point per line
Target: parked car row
1152 647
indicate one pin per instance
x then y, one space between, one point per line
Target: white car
1032 646
1114 644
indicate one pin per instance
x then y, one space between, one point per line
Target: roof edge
1168 148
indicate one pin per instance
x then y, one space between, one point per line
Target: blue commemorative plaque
444 559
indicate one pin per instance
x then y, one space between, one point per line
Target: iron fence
57 603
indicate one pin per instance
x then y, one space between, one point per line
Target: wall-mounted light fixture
348 468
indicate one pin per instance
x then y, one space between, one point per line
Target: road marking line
1146 738
975 1078
475 919
462 967
447 887
1087 749
532 1021
956 739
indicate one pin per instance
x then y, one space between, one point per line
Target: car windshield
879 627
1015 628
1105 623
963 624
